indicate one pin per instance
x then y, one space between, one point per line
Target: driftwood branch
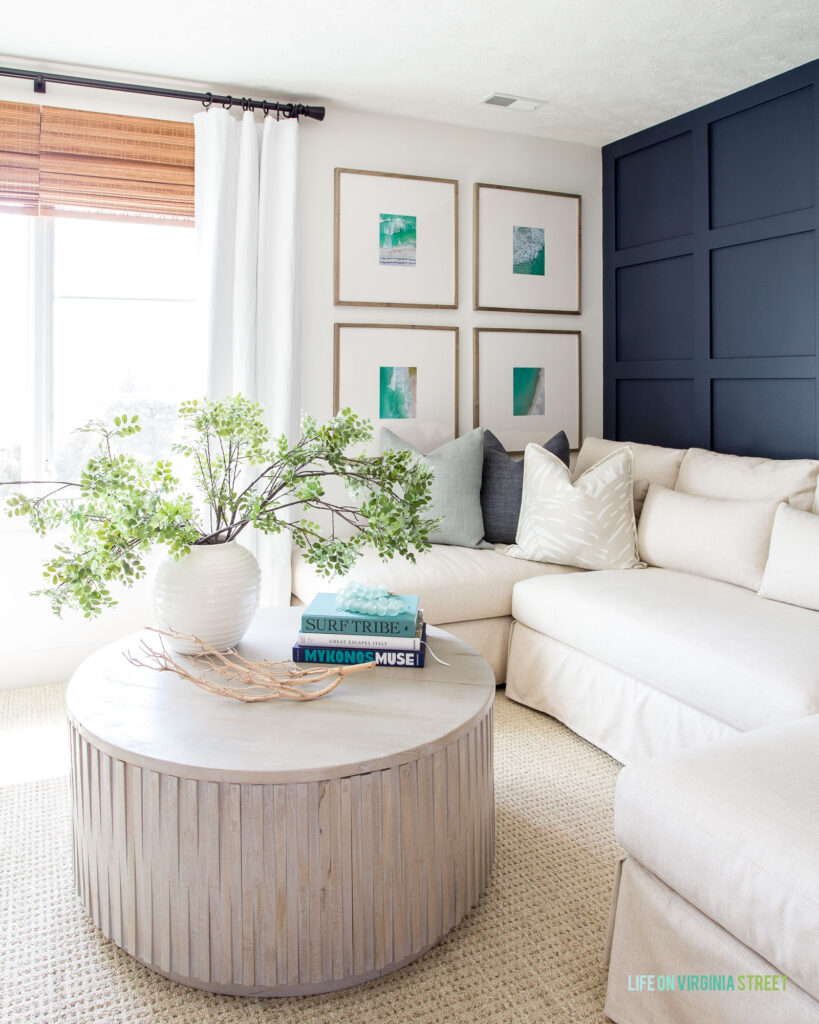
229 674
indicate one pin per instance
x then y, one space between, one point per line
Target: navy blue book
357 656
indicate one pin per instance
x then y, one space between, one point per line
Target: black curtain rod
206 98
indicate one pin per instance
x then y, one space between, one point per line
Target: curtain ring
265 110
291 110
229 103
206 102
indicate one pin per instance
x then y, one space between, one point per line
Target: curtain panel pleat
246 220
78 163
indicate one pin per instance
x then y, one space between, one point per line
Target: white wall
37 648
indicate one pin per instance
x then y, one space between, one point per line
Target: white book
372 643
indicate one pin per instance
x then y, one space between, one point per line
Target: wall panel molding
711 275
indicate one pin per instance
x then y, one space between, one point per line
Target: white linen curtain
246 195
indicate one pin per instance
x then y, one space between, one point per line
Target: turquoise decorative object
376 600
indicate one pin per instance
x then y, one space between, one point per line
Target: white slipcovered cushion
455 584
588 522
713 475
711 645
725 540
732 827
792 570
651 462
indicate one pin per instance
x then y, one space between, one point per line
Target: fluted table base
283 889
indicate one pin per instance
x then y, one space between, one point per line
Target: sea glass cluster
358 597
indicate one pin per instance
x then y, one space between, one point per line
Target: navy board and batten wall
710 288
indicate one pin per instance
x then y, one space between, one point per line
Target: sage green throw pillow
456 487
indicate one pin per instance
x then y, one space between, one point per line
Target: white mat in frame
526 384
427 208
526 254
401 376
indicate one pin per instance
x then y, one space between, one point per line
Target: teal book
322 616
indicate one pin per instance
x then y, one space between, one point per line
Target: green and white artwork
398 392
396 240
529 251
528 391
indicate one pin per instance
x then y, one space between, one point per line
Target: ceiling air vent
502 99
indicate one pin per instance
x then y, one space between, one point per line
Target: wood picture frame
526 250
548 385
419 403
395 240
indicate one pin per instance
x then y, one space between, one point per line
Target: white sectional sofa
651 660
707 691
639 662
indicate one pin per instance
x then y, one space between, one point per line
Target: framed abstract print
526 250
527 384
403 377
396 240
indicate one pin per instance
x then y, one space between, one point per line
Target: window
96 318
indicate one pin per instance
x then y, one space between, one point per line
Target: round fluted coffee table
281 848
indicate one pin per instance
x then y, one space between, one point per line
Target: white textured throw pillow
715 537
588 523
792 572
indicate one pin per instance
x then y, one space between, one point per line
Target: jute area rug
530 953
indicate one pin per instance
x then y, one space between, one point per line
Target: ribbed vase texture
212 593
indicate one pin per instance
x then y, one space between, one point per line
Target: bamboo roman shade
19 156
77 163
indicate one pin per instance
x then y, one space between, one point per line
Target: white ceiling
607 67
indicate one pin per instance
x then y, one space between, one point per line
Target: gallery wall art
396 240
526 250
400 376
527 384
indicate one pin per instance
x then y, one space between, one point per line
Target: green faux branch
121 507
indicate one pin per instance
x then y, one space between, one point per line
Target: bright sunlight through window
97 319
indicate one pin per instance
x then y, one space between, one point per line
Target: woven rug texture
531 952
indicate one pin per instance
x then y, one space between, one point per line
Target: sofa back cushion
714 537
652 464
588 522
712 475
792 571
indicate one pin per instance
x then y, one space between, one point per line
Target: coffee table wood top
374 720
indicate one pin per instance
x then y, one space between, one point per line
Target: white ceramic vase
212 593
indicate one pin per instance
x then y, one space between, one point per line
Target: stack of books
332 636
